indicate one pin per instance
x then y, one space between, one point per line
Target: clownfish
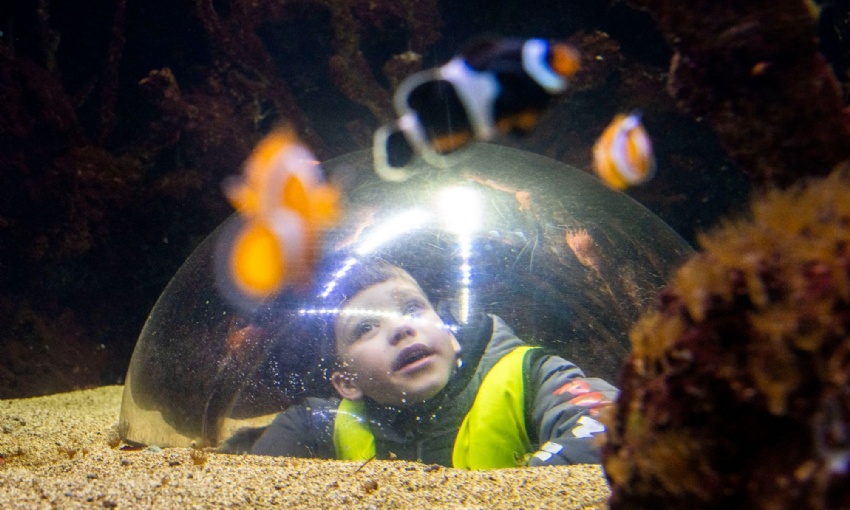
284 205
622 156
493 87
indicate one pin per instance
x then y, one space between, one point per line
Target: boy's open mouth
410 355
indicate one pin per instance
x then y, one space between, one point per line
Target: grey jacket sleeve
303 430
564 413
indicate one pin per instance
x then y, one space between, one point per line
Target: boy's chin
416 390
418 396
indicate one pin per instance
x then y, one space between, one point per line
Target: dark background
119 120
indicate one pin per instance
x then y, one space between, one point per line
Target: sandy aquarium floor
62 451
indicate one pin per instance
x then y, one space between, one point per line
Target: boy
410 391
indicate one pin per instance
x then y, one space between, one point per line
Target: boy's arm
564 412
303 430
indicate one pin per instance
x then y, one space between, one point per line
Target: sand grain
61 451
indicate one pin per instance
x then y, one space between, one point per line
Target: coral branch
109 80
236 36
753 70
48 38
349 68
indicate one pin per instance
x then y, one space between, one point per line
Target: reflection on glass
505 253
408 387
461 210
400 223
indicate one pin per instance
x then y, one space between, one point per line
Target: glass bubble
566 262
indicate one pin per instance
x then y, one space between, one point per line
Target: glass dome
566 262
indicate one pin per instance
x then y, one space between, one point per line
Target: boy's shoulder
299 423
311 411
503 339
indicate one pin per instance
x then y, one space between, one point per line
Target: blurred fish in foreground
284 205
493 87
622 156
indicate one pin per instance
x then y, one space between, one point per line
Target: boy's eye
413 307
362 328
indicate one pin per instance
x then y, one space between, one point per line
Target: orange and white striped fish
622 156
284 205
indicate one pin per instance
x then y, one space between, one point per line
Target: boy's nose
401 331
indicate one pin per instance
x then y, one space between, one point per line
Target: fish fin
294 196
391 152
325 206
239 194
564 59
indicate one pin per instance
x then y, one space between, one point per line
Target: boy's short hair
362 276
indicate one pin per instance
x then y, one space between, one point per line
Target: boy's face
393 346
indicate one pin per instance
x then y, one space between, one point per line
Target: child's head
390 343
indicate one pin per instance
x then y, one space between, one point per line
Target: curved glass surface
566 262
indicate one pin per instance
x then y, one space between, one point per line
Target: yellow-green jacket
508 405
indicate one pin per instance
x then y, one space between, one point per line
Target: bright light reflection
465 243
403 222
331 285
371 313
461 212
318 311
460 209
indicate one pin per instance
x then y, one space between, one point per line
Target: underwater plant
737 391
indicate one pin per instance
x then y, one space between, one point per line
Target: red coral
735 394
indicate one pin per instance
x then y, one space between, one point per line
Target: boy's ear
455 343
345 386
